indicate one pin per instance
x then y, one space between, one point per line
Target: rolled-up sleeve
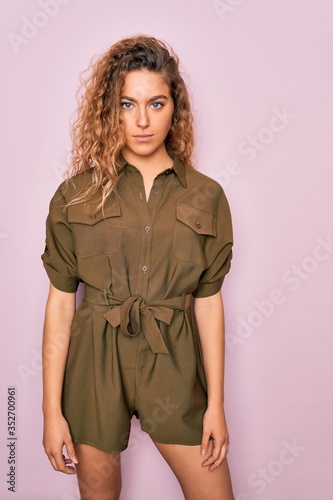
218 251
59 257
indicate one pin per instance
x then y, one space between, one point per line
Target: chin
145 150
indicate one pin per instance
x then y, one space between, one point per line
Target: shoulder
73 187
203 191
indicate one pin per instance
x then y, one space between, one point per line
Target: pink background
261 78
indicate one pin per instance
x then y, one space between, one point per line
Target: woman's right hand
56 436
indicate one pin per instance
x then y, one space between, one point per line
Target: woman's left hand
215 438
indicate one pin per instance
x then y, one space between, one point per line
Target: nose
142 120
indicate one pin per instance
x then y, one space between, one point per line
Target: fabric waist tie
134 314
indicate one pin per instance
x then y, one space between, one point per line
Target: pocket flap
200 221
81 213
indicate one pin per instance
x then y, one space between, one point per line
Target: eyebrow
161 96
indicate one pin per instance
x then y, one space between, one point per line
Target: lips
143 138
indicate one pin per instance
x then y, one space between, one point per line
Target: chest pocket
97 234
193 226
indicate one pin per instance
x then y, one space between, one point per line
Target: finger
208 457
217 463
205 442
60 464
67 460
71 451
216 451
215 466
224 451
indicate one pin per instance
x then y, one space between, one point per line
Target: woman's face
147 109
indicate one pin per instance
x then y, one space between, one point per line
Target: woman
145 232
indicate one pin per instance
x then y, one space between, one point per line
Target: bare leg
99 473
196 481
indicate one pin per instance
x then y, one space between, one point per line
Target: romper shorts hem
100 448
104 450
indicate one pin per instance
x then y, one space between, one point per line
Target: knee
98 474
104 490
108 494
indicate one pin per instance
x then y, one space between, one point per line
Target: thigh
196 481
98 473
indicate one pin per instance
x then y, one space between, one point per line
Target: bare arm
209 315
60 309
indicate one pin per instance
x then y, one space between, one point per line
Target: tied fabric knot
134 315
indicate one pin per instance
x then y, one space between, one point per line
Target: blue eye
157 105
126 105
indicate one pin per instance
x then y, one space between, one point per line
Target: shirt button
198 225
147 229
168 171
155 193
93 217
144 269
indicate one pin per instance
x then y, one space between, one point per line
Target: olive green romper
134 346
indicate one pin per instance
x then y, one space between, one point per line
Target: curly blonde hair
98 133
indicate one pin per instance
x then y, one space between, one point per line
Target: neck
151 164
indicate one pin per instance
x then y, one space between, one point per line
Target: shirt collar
178 167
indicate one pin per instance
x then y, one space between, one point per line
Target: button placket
146 238
146 211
